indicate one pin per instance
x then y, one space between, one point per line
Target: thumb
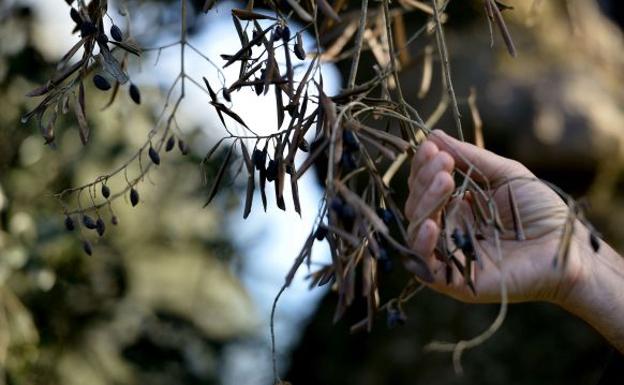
486 164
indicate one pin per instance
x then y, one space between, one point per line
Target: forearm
597 295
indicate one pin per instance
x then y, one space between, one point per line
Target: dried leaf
302 13
328 10
215 185
208 4
251 183
245 14
81 118
111 65
246 48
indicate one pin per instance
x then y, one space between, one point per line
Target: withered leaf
213 95
247 47
208 4
251 183
245 14
302 13
111 65
221 107
328 10
295 192
83 126
215 185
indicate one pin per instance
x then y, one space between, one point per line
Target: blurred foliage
156 301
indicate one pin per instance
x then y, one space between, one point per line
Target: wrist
594 287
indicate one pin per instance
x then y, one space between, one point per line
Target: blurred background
179 295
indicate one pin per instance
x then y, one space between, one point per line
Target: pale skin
589 285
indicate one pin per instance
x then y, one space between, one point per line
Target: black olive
135 94
184 149
101 83
114 220
134 197
386 215
271 170
116 33
594 242
153 155
320 233
88 222
105 191
170 143
86 246
350 143
304 145
100 227
285 34
69 224
277 33
258 159
348 162
226 95
395 317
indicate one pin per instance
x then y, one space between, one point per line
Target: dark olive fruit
384 261
386 215
100 227
153 155
86 246
349 141
101 82
226 95
75 16
134 197
299 50
462 241
285 34
114 220
258 158
69 224
170 143
304 145
395 317
344 211
348 162
102 39
594 242
105 191
320 233
258 87
254 36
116 33
271 170
135 94
184 149
277 33
88 222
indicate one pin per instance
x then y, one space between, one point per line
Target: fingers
487 165
427 163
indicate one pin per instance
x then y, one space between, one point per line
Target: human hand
527 265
